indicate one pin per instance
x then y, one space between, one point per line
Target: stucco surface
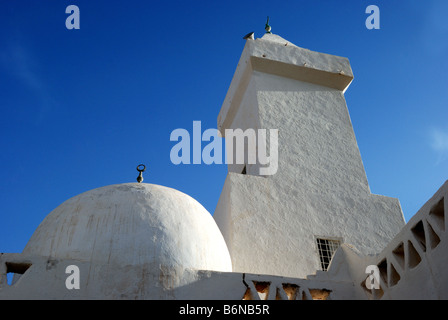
320 189
130 225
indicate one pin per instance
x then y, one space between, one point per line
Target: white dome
130 225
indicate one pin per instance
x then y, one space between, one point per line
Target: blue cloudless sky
80 109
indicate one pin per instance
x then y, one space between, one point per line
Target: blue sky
80 109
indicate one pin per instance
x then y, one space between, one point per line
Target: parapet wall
413 265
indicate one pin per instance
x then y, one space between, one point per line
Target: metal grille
326 248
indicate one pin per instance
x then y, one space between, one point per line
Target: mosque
312 230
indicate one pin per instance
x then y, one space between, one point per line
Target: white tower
288 223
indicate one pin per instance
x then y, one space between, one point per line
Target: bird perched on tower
249 36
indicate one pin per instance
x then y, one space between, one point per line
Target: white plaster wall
317 145
45 280
246 117
420 266
320 189
276 234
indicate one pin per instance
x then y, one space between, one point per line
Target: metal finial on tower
140 168
267 27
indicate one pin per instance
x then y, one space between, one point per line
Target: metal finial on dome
140 168
267 27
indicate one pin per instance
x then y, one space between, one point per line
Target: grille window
326 248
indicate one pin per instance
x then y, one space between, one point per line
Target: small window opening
382 267
419 232
291 290
394 276
398 253
14 271
413 257
262 288
434 239
326 248
320 294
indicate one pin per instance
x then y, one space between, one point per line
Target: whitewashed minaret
283 224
